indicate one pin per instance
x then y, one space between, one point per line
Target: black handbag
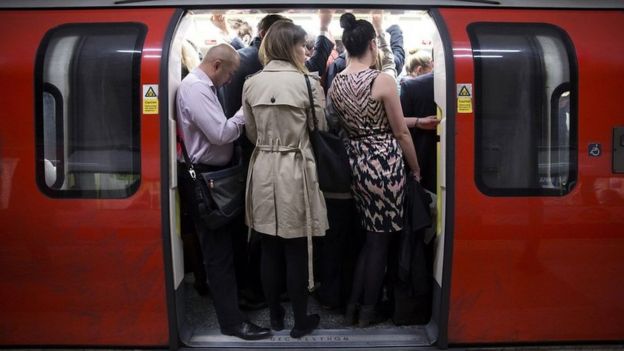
219 195
332 162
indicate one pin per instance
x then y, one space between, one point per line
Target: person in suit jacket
417 100
250 63
418 63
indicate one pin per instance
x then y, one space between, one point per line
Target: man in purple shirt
208 136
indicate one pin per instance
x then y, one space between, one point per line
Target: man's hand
325 17
219 21
428 123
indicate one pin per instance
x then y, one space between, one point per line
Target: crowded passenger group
255 101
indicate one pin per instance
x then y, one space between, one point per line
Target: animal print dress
375 156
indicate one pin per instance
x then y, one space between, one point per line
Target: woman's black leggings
281 255
370 269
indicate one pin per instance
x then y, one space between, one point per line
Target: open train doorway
413 314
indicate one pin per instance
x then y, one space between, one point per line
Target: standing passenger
247 248
417 100
284 202
370 112
396 51
208 137
250 62
418 63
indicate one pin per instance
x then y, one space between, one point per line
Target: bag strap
306 198
187 159
314 119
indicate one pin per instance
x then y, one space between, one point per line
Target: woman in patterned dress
370 112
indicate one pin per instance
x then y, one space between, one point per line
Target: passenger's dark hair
356 35
267 21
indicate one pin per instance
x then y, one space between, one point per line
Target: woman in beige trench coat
284 202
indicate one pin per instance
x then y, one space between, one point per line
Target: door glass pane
88 116
525 128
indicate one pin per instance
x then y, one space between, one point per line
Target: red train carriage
530 174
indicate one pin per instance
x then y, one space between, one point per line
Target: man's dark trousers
218 259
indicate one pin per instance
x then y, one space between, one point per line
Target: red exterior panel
534 269
76 271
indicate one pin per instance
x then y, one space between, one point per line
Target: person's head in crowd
358 37
419 63
190 57
339 46
243 30
267 21
284 41
220 63
310 47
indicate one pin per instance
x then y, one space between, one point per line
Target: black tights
370 269
291 255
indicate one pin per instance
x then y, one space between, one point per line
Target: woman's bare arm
384 89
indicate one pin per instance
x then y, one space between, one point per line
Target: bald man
208 137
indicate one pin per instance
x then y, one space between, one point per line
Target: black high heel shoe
277 320
311 323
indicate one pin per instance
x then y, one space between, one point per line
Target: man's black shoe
247 331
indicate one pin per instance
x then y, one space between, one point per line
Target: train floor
332 331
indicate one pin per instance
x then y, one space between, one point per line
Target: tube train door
82 251
537 215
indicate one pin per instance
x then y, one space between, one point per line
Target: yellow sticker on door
150 99
464 98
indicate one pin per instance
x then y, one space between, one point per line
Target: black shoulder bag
219 195
332 162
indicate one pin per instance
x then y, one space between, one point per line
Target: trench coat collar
279 65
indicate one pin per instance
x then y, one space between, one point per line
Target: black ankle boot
312 321
277 319
351 314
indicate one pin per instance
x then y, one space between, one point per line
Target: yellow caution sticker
464 98
150 99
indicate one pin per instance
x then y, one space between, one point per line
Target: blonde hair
419 58
279 44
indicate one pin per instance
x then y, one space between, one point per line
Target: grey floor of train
332 332
200 314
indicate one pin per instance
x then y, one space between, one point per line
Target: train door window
525 114
87 110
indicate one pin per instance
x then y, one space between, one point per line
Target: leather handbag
219 195
332 162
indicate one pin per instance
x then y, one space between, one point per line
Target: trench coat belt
306 197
